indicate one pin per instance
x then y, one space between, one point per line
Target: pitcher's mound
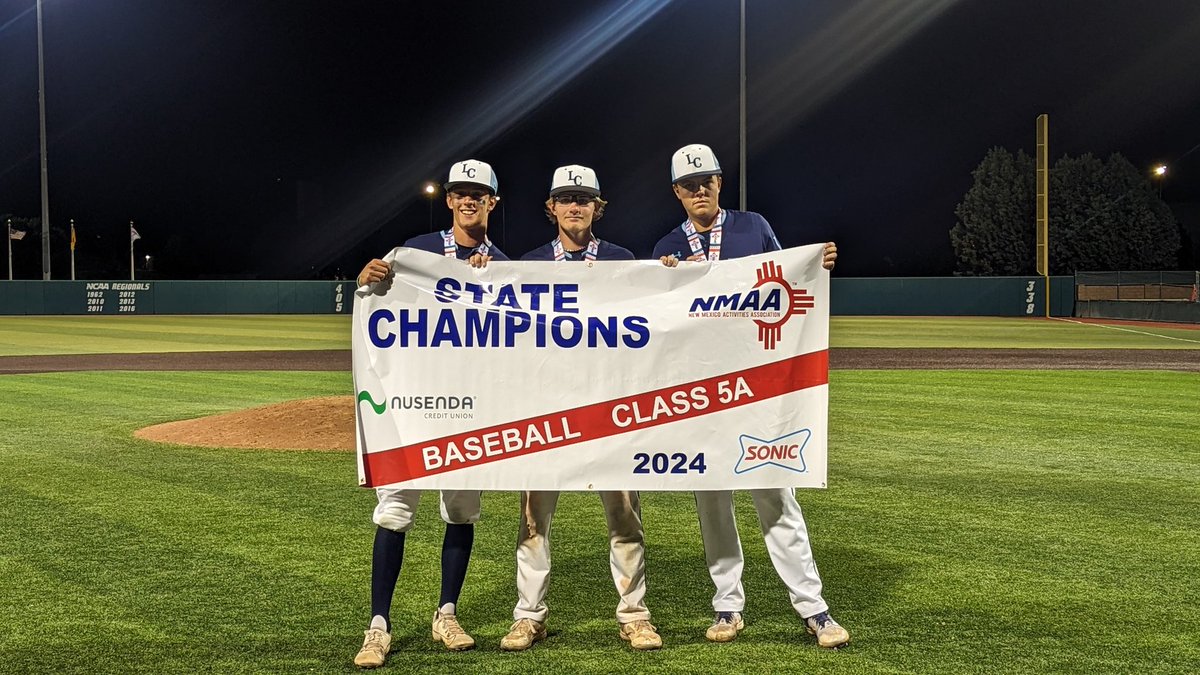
324 423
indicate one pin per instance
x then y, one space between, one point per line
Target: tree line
1104 215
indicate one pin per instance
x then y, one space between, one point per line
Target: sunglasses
695 185
477 195
565 200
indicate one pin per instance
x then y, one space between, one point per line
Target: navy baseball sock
386 557
456 554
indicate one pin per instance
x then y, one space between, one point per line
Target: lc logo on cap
472 172
576 180
694 160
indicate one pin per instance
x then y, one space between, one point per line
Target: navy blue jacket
434 243
743 233
606 251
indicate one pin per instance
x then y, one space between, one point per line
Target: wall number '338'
660 462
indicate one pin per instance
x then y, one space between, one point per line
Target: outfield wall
951 296
909 296
176 297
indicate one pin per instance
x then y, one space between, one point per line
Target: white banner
594 376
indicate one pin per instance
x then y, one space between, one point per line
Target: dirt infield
327 423
323 423
1015 359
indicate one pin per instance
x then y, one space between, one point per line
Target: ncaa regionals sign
594 376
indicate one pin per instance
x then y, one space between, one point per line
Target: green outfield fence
1143 296
176 297
909 296
950 296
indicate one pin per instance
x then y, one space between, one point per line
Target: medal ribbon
714 239
450 247
590 254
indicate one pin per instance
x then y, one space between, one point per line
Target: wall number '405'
660 462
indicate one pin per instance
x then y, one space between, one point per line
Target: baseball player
470 195
574 205
712 233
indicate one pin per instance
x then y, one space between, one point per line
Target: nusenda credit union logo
440 407
377 407
770 303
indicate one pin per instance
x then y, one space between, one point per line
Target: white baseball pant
627 554
397 508
786 537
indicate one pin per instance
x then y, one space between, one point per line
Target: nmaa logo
785 452
771 302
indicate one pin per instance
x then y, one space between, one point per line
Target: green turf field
1009 521
36 335
1000 333
976 521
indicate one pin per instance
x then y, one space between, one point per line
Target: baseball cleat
725 627
640 635
374 649
447 631
523 634
829 633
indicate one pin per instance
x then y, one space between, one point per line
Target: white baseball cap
694 160
472 172
574 178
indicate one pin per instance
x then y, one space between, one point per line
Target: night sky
291 139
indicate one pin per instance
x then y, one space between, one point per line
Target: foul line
1127 330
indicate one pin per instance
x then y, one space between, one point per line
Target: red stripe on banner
596 420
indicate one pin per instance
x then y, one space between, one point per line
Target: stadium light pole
742 114
42 125
430 191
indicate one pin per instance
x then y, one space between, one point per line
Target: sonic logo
770 303
785 452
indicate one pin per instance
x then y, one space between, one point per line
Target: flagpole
131 240
72 249
8 238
